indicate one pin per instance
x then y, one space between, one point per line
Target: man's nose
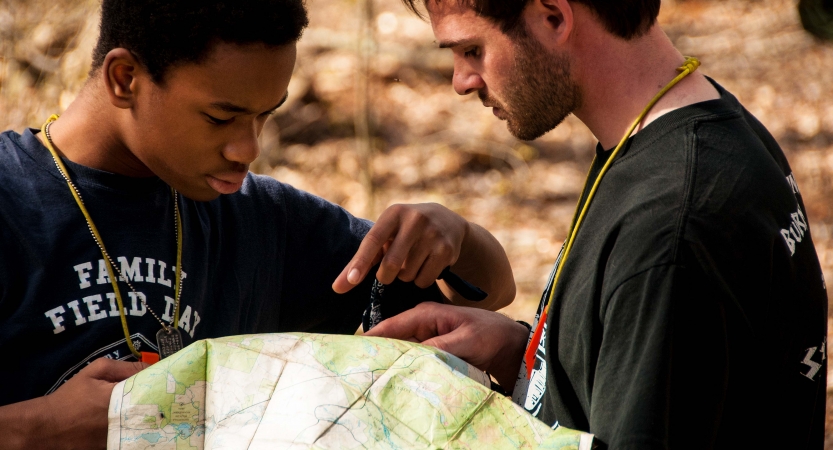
466 80
244 148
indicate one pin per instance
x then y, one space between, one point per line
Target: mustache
488 101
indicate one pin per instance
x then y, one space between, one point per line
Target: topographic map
300 391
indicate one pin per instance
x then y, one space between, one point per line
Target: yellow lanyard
689 66
106 256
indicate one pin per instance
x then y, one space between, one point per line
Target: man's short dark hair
165 33
624 18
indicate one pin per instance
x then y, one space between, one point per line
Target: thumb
416 324
444 342
456 345
106 369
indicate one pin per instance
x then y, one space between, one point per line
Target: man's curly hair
627 19
164 33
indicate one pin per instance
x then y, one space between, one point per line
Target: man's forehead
442 8
232 107
456 24
445 5
245 79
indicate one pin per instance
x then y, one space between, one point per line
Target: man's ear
119 73
551 20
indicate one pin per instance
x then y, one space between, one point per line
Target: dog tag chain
168 339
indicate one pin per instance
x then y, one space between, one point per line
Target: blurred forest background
372 118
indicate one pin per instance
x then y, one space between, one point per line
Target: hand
487 340
413 242
75 415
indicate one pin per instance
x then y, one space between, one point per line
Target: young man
132 219
691 310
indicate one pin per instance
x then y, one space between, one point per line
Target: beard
541 92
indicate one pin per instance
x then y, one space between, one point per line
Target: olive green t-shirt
692 311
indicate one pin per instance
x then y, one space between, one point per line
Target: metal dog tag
169 342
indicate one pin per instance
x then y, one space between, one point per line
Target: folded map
304 391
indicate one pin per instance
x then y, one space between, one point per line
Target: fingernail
354 276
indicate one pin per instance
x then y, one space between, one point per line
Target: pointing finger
368 254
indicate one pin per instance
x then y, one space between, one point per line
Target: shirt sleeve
13 264
662 371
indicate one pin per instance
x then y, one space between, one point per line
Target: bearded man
688 308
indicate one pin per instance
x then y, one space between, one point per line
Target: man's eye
217 121
474 52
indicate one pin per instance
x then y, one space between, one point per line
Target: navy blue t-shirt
260 260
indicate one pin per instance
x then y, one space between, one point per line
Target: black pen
373 315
